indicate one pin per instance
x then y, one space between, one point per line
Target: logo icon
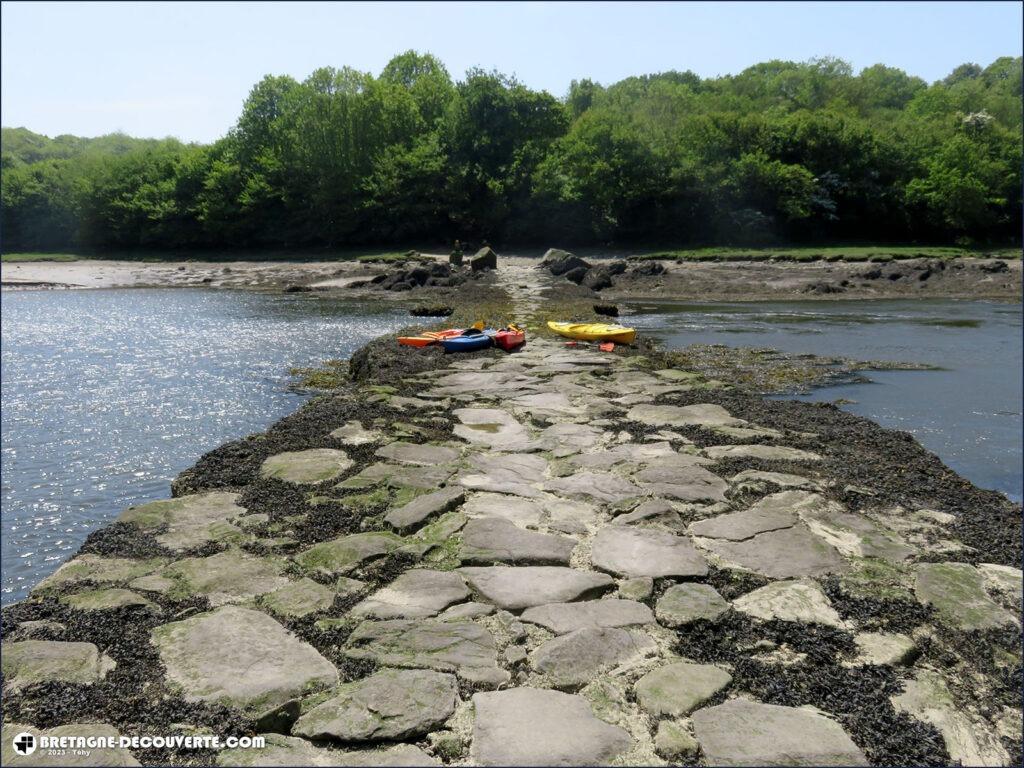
25 744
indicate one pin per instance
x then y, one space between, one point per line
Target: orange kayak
428 337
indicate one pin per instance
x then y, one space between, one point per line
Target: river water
968 413
108 394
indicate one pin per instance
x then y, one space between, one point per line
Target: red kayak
509 338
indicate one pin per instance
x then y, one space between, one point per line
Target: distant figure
455 257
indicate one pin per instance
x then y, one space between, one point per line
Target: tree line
781 152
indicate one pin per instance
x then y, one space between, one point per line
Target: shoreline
707 281
653 449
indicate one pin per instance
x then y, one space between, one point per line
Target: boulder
483 259
242 658
528 727
648 269
576 275
563 263
597 279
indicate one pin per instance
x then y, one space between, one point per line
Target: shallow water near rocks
968 413
108 394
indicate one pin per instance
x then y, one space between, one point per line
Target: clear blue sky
183 69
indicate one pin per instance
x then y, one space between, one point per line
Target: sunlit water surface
108 394
968 413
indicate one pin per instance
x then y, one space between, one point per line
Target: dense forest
781 153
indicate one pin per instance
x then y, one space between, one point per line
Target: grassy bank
877 253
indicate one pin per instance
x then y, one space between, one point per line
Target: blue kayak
469 341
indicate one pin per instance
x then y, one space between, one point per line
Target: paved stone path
565 544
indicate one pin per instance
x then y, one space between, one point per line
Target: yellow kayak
594 331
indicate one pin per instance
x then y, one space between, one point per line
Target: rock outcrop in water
551 557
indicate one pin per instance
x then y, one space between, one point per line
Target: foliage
800 153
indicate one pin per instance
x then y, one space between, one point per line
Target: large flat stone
957 591
855 535
419 454
306 467
191 521
601 486
781 554
505 473
685 483
562 618
768 452
629 551
545 405
227 577
530 727
632 453
801 601
419 509
389 705
678 689
683 604
400 476
567 438
493 540
300 598
515 509
747 523
700 415
926 697
528 586
105 599
101 570
742 732
106 757
417 593
288 751
242 658
447 646
36 661
492 427
573 660
339 556
353 433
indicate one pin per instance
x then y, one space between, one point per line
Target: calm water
969 413
108 394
